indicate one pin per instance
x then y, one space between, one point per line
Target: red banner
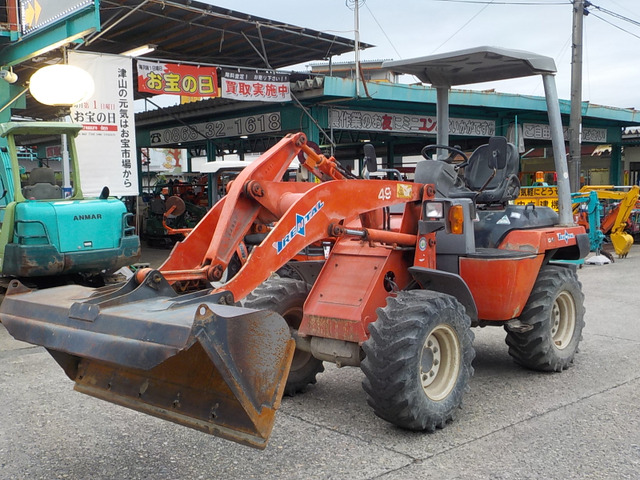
173 79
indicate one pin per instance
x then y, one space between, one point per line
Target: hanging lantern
61 85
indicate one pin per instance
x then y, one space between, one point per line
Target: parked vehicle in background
49 232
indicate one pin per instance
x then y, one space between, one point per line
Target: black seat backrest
42 185
502 156
445 178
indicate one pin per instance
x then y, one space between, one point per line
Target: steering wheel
449 159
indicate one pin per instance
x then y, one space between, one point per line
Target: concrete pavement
515 424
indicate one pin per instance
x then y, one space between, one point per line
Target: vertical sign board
107 143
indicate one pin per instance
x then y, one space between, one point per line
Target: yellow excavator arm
615 222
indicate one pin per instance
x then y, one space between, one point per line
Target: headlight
434 210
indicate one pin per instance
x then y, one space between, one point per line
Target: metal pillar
442 118
559 151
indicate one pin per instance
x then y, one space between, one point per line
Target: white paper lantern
61 85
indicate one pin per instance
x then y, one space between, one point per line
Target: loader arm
313 216
284 210
307 213
208 248
239 211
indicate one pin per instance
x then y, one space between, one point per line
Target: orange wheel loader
213 338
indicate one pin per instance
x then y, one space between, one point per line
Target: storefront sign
35 14
540 131
405 123
232 127
173 79
255 86
539 196
107 143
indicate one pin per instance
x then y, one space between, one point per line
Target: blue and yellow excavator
603 210
610 222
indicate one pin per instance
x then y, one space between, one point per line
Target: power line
383 32
467 23
614 14
614 25
623 7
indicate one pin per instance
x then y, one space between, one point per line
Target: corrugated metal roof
193 31
186 30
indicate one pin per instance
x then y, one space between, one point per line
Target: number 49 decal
403 190
385 193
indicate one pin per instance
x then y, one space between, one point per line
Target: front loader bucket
216 368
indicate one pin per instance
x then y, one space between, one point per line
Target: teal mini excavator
48 231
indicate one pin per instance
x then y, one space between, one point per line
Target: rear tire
555 310
286 296
418 360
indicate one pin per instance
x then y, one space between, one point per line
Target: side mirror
370 158
497 152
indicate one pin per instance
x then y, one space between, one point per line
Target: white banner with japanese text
541 131
107 143
255 86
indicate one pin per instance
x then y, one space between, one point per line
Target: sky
404 29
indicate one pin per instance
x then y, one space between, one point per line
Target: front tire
286 296
555 311
418 360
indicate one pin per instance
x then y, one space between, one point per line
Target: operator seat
42 185
444 177
494 188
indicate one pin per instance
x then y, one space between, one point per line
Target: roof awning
474 65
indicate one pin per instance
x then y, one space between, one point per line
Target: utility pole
575 120
356 4
356 28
